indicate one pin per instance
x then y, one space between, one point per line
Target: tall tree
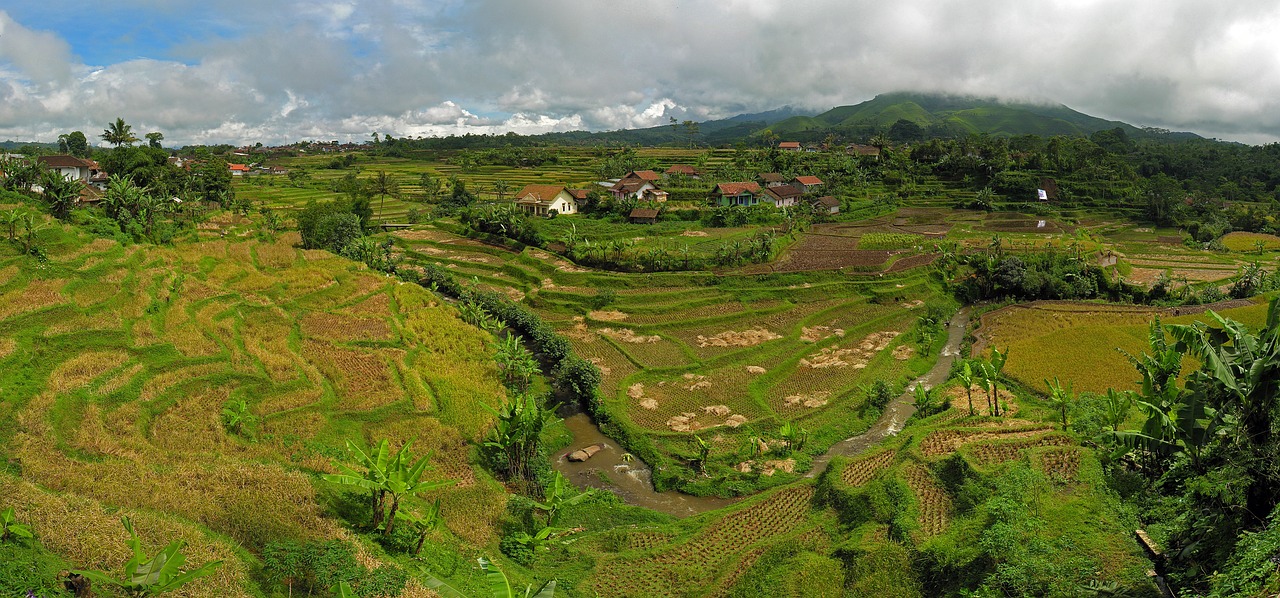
118 133
154 138
77 144
383 184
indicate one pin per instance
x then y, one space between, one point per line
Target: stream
630 479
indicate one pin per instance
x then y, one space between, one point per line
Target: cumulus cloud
342 69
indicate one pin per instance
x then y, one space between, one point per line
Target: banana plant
704 452
559 495
422 525
795 436
500 586
404 478
924 400
965 376
10 528
156 575
1061 398
376 464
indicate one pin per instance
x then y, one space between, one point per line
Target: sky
279 71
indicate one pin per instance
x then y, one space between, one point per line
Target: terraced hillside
720 357
117 364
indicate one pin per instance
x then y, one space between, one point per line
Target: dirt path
898 410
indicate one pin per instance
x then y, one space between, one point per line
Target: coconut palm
118 133
383 185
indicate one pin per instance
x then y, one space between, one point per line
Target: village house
807 184
643 216
240 169
70 167
686 170
736 194
789 146
771 179
541 200
826 204
639 185
857 149
782 196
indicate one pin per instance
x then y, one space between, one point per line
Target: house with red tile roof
790 146
540 200
239 169
638 188
736 194
644 175
807 184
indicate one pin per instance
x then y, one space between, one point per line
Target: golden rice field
115 364
1081 343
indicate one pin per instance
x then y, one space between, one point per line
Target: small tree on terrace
965 376
1061 399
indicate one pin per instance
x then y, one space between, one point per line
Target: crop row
941 442
933 502
859 472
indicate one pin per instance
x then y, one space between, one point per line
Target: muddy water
898 410
631 480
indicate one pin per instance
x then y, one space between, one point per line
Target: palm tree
431 186
383 184
500 188
118 133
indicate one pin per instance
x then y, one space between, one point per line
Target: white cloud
343 69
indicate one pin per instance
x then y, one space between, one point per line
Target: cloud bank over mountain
237 71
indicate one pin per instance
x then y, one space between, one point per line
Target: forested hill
948 116
902 116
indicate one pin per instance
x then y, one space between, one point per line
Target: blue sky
274 71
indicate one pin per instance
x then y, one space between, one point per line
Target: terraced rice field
1081 343
686 353
140 349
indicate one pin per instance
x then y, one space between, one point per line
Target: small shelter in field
643 216
684 169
